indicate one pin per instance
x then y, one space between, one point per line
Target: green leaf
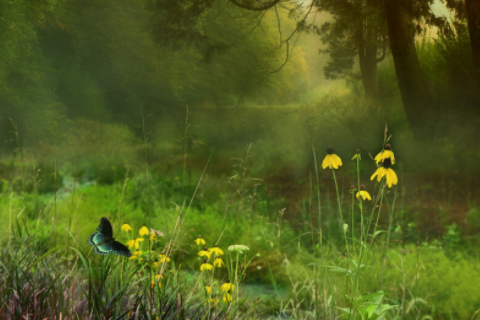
384 308
372 296
377 233
339 269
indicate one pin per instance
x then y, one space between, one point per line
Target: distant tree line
366 29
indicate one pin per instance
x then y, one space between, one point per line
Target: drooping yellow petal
143 231
364 194
391 177
206 266
327 162
218 262
227 286
337 162
216 250
130 243
357 156
126 227
199 241
384 155
379 174
205 253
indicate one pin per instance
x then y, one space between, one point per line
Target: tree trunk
368 68
417 99
367 56
472 8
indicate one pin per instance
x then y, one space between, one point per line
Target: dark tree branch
262 8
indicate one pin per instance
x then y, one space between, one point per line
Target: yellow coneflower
331 160
155 264
143 231
134 243
137 242
153 236
216 250
227 286
357 155
205 253
206 266
226 297
131 243
218 262
364 194
208 289
126 227
132 257
199 241
385 154
163 258
391 176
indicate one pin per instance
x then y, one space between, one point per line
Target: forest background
118 108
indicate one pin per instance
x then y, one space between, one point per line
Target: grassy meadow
314 250
252 163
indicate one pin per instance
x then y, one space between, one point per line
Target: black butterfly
103 241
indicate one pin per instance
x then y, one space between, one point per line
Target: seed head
387 163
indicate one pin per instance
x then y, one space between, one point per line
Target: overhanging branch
262 8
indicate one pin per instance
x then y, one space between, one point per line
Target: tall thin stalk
10 220
353 220
145 140
387 245
314 247
360 200
340 213
320 237
121 198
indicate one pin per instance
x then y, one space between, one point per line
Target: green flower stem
387 245
236 276
353 211
340 212
342 227
360 199
313 241
321 243
357 276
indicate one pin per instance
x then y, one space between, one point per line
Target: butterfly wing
103 243
105 227
99 243
119 249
